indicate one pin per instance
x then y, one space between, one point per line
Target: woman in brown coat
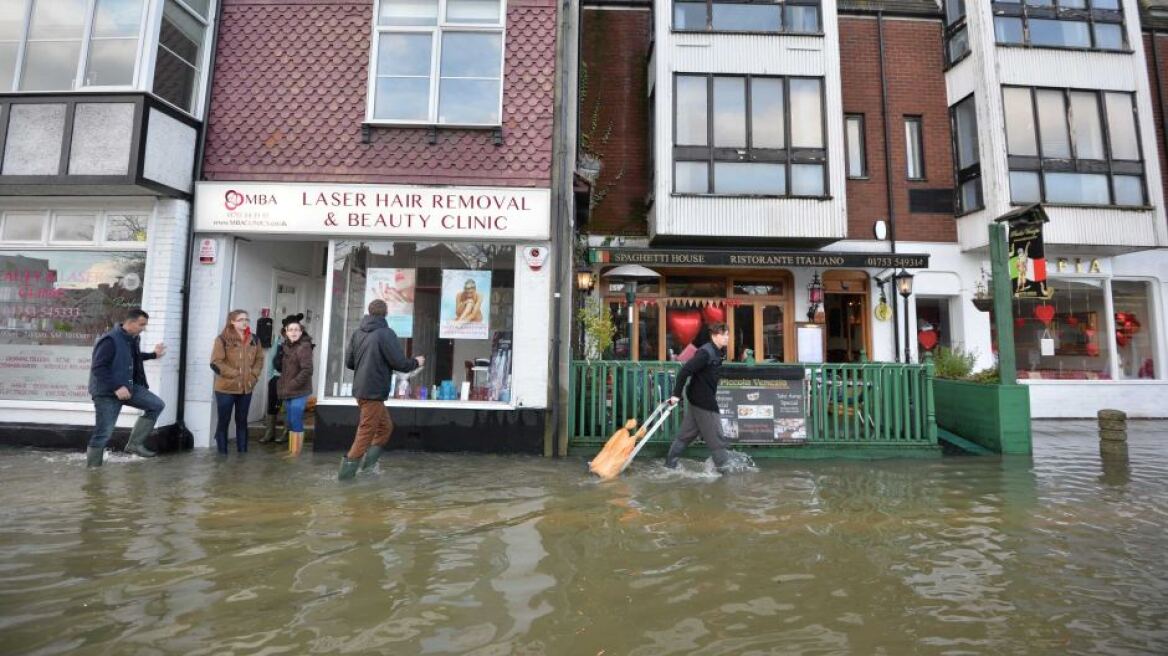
237 360
294 385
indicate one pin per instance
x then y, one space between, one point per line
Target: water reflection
452 554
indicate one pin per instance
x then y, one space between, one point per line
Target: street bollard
1112 425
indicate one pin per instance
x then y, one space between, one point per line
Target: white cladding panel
1048 67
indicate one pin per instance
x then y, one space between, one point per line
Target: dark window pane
1024 187
730 112
1129 190
966 118
749 178
807 180
691 177
1007 30
969 196
1059 33
1020 133
806 113
1085 188
1086 128
958 44
689 16
1052 121
802 19
1121 122
745 18
1109 36
691 110
766 112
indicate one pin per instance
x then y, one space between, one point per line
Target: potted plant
598 328
978 406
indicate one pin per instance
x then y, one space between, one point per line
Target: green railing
884 404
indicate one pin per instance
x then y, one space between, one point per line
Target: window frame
863 148
952 30
973 171
1110 166
786 156
437 31
1089 15
102 220
782 4
919 122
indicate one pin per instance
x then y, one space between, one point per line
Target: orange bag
608 463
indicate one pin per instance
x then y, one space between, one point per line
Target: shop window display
1134 343
451 302
1064 338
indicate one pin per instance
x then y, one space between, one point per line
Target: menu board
763 405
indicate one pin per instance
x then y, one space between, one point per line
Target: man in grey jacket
374 354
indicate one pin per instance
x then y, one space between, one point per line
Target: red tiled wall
614 116
1158 101
289 91
916 86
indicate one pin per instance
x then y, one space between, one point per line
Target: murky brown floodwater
445 554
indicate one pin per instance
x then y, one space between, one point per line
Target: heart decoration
1092 349
1044 313
1019 322
1073 320
684 324
714 314
927 339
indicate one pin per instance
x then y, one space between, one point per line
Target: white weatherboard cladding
1048 67
713 216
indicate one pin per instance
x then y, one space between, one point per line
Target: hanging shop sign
763 405
373 210
758 258
1027 252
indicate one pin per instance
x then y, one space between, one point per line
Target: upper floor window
956 32
914 148
857 157
70 45
966 159
1096 24
1073 146
437 62
778 16
749 136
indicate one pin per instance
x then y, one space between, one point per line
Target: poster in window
396 287
466 311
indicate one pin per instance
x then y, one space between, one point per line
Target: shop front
780 307
466 274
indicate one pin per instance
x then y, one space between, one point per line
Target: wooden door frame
850 282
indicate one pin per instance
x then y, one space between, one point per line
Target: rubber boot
94 456
295 443
675 451
348 469
269 430
137 442
370 459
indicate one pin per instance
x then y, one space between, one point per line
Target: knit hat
292 318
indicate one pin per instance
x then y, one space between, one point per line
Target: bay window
749 135
1073 146
956 32
80 45
1095 24
771 16
437 62
966 159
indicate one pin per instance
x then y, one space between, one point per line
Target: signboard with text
761 259
763 405
373 211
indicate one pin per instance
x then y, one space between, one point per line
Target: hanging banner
396 288
1027 253
465 312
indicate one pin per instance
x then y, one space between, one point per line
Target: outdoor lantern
584 280
814 296
904 283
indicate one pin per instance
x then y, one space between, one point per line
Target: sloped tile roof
289 92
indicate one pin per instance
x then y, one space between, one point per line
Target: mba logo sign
233 200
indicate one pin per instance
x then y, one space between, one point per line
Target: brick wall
916 86
1162 89
289 94
614 117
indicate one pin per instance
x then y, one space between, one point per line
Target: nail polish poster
396 287
465 311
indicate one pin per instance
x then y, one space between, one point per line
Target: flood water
468 554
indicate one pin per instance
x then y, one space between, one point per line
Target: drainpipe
888 173
181 411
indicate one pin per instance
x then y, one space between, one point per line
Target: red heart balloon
714 314
1019 322
684 324
1073 320
928 339
1092 349
1044 313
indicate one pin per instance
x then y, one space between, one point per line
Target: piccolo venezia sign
357 211
757 258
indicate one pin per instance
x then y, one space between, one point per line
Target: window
753 135
1135 327
966 159
934 329
437 62
857 154
180 53
450 301
1073 146
1096 24
777 16
1081 350
956 32
914 146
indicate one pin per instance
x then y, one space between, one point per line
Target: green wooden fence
877 403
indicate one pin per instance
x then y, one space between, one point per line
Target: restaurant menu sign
763 405
388 211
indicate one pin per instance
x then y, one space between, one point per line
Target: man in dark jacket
703 372
117 378
374 354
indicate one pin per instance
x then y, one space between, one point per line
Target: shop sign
763 405
372 211
757 258
1027 252
208 251
1077 265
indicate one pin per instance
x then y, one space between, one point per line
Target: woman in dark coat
294 385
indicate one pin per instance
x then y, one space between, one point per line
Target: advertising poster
466 307
395 287
763 406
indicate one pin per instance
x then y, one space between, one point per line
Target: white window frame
436 31
99 241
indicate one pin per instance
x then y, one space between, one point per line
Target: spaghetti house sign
756 258
506 213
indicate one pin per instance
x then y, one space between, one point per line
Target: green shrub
986 376
953 363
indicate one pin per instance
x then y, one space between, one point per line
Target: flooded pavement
470 554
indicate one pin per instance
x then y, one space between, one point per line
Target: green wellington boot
348 469
269 429
370 459
94 455
137 442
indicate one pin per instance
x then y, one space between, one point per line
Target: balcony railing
869 404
